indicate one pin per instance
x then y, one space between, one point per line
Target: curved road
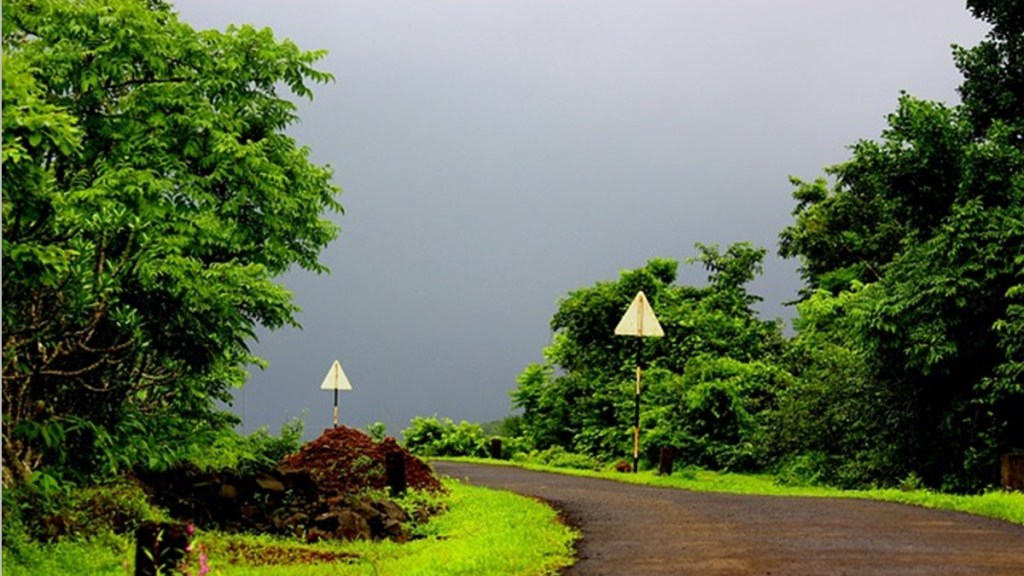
637 530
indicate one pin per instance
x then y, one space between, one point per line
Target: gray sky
496 155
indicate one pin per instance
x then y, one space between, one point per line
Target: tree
708 378
150 198
932 219
833 420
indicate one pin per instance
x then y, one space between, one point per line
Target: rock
365 508
353 526
269 483
291 521
319 492
391 510
328 521
228 491
316 535
394 530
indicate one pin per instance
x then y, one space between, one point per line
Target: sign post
336 380
638 321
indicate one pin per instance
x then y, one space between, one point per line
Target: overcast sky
496 155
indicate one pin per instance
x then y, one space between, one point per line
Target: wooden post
668 456
1012 472
394 466
160 548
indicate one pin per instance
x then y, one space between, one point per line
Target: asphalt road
638 530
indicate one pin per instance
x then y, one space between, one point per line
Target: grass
485 532
107 554
1001 505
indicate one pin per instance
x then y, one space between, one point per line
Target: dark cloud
496 155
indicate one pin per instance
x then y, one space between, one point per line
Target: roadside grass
106 554
998 504
484 532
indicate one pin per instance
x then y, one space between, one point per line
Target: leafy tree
150 198
832 416
932 219
713 413
704 379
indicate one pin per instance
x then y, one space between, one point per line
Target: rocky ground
335 487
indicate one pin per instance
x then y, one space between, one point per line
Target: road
639 530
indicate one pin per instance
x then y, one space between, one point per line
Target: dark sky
496 155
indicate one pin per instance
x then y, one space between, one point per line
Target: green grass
1001 505
102 555
485 532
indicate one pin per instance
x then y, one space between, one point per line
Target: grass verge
485 532
998 504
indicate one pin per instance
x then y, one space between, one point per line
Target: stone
353 526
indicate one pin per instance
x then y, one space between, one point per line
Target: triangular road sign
639 319
336 379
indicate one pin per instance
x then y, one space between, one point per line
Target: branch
75 373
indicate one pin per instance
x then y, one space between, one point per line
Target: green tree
931 217
707 383
150 198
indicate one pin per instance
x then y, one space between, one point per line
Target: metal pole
335 407
636 411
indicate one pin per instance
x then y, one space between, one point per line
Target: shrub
229 450
442 437
558 457
46 512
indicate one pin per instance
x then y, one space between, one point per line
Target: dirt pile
318 493
345 461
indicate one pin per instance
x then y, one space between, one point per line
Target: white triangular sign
639 319
336 379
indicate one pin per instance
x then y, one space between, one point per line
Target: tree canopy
908 357
705 378
930 221
150 197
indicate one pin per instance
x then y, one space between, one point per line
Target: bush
442 437
511 446
229 450
557 456
810 469
378 431
44 511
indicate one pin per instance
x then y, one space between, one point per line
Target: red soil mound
344 461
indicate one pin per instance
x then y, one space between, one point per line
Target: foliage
557 457
150 197
107 555
378 431
243 455
832 409
929 219
714 413
481 533
443 437
708 381
34 511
